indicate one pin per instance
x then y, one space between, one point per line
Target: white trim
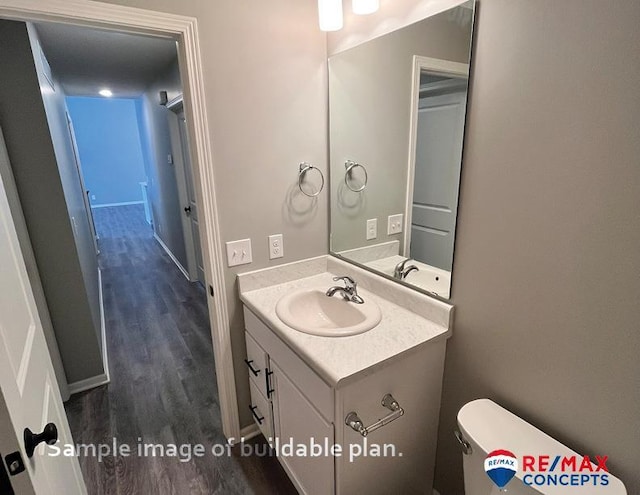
103 328
88 384
434 66
124 203
173 258
184 30
104 378
249 432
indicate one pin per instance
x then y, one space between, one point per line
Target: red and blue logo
547 470
501 466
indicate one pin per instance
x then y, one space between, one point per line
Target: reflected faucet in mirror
400 272
349 291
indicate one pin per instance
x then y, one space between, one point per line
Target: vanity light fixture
364 7
105 92
330 15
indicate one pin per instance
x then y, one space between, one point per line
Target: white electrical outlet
170 159
276 246
372 228
239 252
395 224
93 197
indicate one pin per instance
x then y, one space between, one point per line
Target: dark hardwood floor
163 385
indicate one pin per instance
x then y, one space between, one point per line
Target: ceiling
86 60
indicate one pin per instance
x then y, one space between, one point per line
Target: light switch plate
395 224
239 252
372 228
276 246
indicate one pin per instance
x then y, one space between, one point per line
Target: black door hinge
211 290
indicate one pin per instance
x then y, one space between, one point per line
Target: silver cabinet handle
355 423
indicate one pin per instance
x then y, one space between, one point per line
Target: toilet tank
488 427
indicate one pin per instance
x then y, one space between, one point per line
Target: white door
186 192
87 204
29 396
437 176
191 196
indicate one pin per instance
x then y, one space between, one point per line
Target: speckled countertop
337 358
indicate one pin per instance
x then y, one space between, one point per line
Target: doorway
184 30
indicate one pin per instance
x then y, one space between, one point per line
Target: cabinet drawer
257 363
315 389
261 411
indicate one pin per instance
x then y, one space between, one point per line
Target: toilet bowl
490 433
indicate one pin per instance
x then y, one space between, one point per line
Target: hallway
163 386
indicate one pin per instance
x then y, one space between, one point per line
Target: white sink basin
312 311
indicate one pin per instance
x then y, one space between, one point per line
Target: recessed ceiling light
105 92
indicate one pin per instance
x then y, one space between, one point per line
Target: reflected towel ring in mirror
349 165
304 168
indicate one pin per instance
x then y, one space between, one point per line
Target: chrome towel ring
304 168
349 165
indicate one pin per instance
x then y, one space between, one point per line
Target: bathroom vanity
346 414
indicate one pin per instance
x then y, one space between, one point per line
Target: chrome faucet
400 272
349 291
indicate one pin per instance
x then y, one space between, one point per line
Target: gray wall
547 256
370 120
161 175
546 264
50 194
264 66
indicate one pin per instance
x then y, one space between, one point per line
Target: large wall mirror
397 113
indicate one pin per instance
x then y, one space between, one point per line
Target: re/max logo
501 462
573 464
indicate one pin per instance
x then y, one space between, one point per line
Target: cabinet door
297 422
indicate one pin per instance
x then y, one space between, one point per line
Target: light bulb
364 7
105 92
330 15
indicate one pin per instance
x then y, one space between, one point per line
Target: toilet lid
491 428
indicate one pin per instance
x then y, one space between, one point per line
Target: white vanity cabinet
290 405
293 404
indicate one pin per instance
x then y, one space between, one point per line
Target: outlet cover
276 246
395 224
239 252
372 228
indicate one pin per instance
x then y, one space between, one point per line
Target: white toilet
485 427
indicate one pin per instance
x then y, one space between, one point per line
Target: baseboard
103 378
103 329
89 383
124 203
249 432
175 260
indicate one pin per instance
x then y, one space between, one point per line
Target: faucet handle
346 279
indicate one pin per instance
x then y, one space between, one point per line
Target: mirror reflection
397 112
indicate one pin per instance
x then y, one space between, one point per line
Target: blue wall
109 146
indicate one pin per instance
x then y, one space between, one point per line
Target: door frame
184 30
435 66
